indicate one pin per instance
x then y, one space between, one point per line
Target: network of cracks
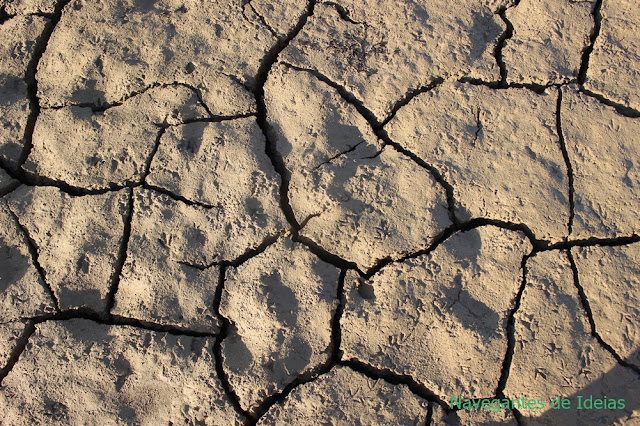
300 212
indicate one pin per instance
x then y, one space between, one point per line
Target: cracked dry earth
319 212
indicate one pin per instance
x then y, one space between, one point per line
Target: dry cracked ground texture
322 212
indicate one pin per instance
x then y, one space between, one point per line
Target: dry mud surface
320 212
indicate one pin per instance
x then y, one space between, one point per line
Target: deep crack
32 82
317 371
261 18
261 78
621 109
395 379
408 97
511 339
21 344
593 241
586 53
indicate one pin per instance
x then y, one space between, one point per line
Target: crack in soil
32 82
511 338
395 379
259 16
586 53
587 309
33 251
122 257
502 42
217 347
316 371
378 130
267 64
261 114
567 161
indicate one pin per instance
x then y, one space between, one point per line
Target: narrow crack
252 252
476 136
122 257
496 85
177 197
212 118
33 251
87 314
338 155
316 371
538 245
474 223
32 83
32 179
217 347
261 117
323 254
586 53
154 151
502 42
102 107
587 308
117 320
567 161
344 93
336 328
519 418
429 420
248 254
408 97
261 18
437 240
